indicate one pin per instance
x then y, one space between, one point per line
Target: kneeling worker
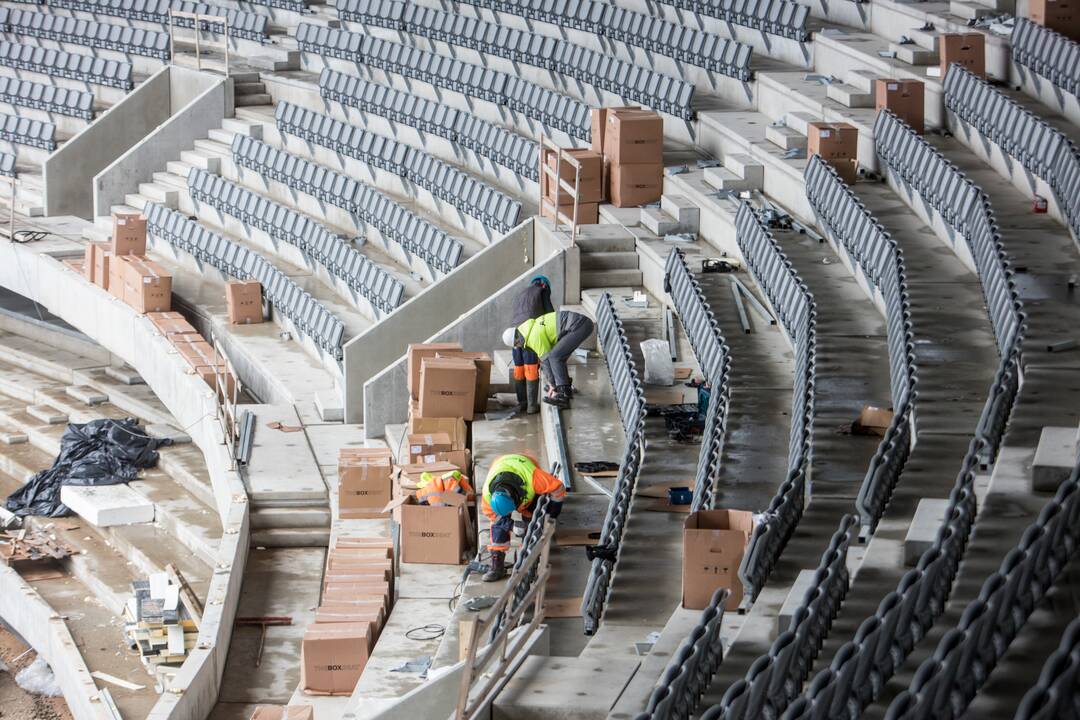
514 483
552 338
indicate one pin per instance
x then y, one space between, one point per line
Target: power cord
426 633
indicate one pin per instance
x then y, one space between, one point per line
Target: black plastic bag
100 452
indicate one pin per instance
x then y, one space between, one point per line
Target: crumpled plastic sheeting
100 452
37 678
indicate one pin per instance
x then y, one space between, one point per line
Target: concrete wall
69 172
421 317
194 103
33 273
386 395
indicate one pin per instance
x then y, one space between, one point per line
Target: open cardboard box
714 542
438 535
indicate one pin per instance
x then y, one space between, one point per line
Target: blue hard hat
502 504
543 279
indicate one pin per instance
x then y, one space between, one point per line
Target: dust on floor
16 703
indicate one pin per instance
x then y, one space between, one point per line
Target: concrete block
914 55
794 599
968 10
108 505
167 196
799 121
12 438
163 431
627 217
564 688
86 394
177 167
124 374
747 168
924 527
686 213
611 260
723 179
46 414
329 405
849 96
1055 457
210 163
784 137
241 127
925 38
863 80
658 222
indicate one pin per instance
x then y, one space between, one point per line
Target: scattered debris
157 624
26 549
119 682
275 425
263 623
38 678
418 665
676 170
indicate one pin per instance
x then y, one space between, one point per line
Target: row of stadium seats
474 198
630 401
878 261
600 69
497 144
308 315
24 131
545 106
1046 53
251 26
394 222
1041 149
60 64
777 17
103 36
714 359
337 254
796 312
48 98
1054 695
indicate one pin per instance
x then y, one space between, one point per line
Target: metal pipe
754 303
743 320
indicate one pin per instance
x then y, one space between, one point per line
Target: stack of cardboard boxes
1061 16
357 596
837 144
631 141
122 268
198 353
965 49
589 190
905 98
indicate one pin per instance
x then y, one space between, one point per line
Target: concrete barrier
195 103
385 395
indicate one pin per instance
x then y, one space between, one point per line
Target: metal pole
745 321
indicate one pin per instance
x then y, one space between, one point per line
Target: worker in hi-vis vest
532 302
551 338
514 483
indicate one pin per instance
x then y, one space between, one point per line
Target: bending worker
532 302
551 338
514 483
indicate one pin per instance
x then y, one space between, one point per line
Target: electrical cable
432 631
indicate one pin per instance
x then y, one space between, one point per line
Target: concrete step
225 137
969 10
927 39
249 88
95 233
160 194
171 180
619 240
254 99
747 168
241 127
862 80
124 374
137 201
687 215
86 395
212 148
784 137
178 167
914 55
723 179
610 278
609 261
285 59
290 518
150 548
800 120
658 222
291 537
243 78
849 96
28 210
195 158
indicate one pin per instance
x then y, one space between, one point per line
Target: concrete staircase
608 257
249 90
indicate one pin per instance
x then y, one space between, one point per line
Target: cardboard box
454 427
283 712
1061 16
836 143
424 446
336 613
332 656
128 234
116 275
483 363
352 542
407 477
102 257
713 545
587 213
209 375
447 387
965 49
461 459
147 285
633 185
872 421
634 137
88 261
906 99
364 482
177 338
356 591
599 125
433 534
171 324
416 354
243 300
590 182
197 353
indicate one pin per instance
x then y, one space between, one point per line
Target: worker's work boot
498 567
561 398
533 393
522 393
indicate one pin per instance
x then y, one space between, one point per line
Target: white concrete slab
1055 457
86 394
124 374
108 505
283 470
47 414
928 517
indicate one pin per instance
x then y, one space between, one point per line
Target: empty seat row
24 131
630 401
308 315
599 69
104 36
880 263
1046 53
1054 695
49 98
241 24
337 254
546 106
7 164
797 313
73 66
395 223
776 17
714 359
477 199
497 144
1041 149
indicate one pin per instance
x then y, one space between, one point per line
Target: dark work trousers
574 329
501 529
